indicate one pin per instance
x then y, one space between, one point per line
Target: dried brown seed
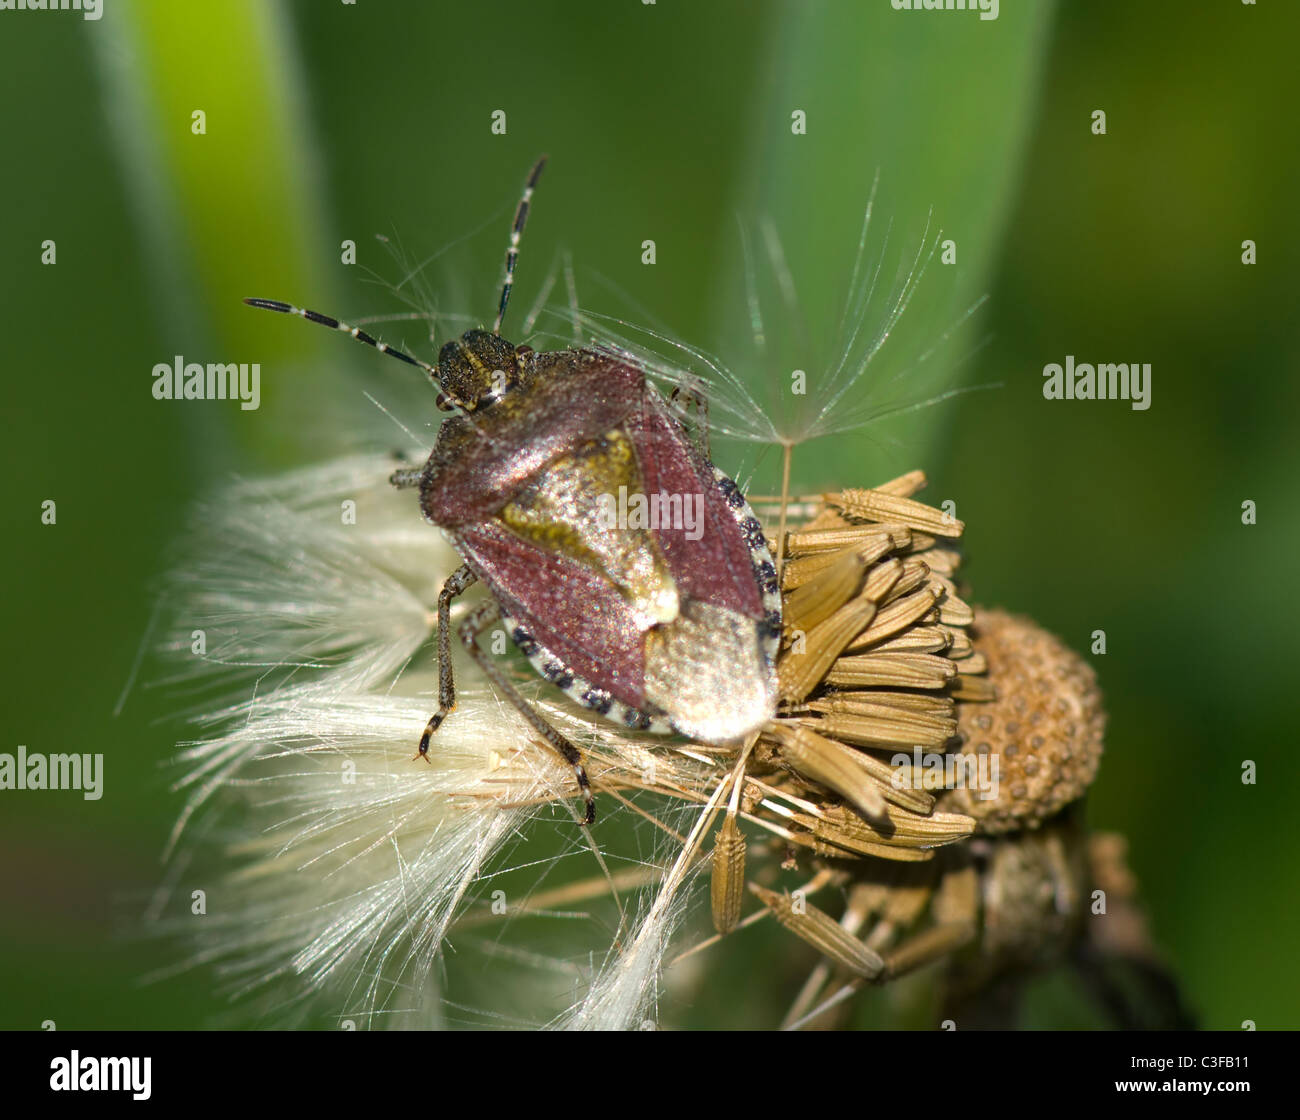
892 670
973 689
804 665
904 486
905 828
955 612
912 701
905 904
882 579
926 946
727 884
918 639
961 643
801 569
897 731
823 933
826 592
916 800
898 615
876 705
957 899
834 766
833 845
809 543
876 505
915 573
942 559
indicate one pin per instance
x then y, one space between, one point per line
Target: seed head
1045 725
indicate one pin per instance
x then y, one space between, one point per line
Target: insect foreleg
470 629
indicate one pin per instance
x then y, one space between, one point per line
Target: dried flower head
876 657
347 869
1045 724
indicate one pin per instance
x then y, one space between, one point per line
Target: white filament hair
349 861
865 376
282 580
336 862
283 584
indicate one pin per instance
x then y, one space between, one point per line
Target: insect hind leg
470 629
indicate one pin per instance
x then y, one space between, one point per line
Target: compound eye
444 403
523 351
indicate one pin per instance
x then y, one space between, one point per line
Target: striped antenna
353 332
445 400
516 231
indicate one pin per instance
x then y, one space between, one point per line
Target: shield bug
629 571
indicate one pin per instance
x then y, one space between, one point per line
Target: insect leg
693 393
470 629
406 478
456 584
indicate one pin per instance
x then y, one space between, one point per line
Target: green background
671 121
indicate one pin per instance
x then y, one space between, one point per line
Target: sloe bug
659 627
